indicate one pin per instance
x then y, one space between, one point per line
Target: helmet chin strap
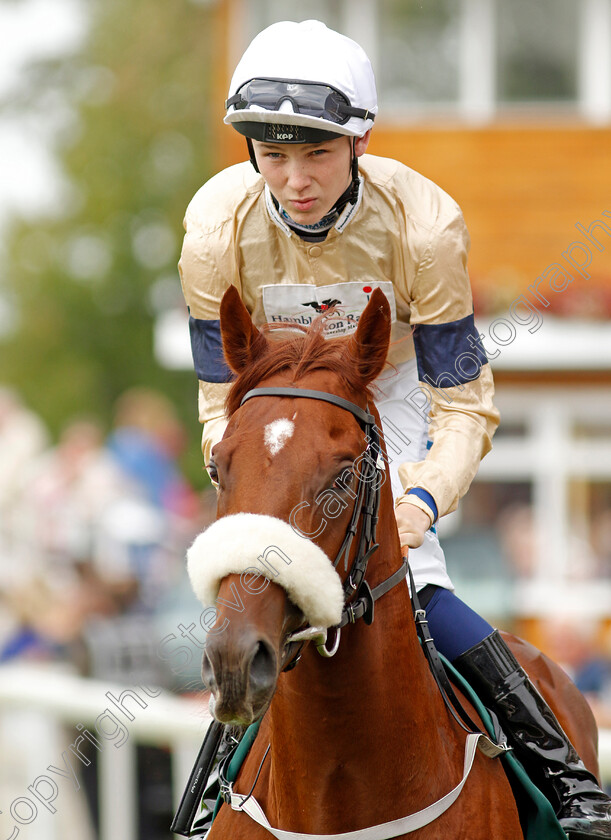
354 192
251 154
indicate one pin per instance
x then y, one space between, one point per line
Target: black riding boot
583 809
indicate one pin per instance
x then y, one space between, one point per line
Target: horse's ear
370 341
242 341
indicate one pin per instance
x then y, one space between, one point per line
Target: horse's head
289 468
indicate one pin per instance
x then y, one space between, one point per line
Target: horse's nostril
263 668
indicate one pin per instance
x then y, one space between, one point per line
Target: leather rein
359 598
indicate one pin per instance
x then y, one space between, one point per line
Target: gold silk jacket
405 235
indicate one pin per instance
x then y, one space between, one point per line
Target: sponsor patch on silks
301 303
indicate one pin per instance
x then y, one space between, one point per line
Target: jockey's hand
413 523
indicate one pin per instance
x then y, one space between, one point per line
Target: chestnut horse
362 738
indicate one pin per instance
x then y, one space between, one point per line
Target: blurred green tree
86 285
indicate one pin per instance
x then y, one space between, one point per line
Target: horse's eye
344 480
213 472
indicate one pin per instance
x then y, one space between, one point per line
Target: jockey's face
308 178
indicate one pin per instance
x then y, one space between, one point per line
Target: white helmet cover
308 52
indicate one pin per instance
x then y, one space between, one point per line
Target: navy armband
207 350
425 497
449 354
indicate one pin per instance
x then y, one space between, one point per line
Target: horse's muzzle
242 678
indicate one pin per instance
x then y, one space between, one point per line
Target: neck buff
325 224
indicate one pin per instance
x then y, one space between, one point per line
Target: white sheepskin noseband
252 543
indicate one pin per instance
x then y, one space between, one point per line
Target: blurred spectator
519 542
583 649
67 490
100 530
518 538
23 438
143 534
146 442
56 517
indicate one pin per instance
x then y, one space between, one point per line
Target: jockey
313 222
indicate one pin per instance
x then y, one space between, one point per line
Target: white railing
43 711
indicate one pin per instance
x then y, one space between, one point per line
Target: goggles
311 98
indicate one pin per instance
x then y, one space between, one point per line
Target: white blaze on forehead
277 433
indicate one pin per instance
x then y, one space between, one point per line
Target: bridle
359 598
359 601
367 505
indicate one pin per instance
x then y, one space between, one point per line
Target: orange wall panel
522 189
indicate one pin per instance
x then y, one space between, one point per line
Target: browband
360 414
